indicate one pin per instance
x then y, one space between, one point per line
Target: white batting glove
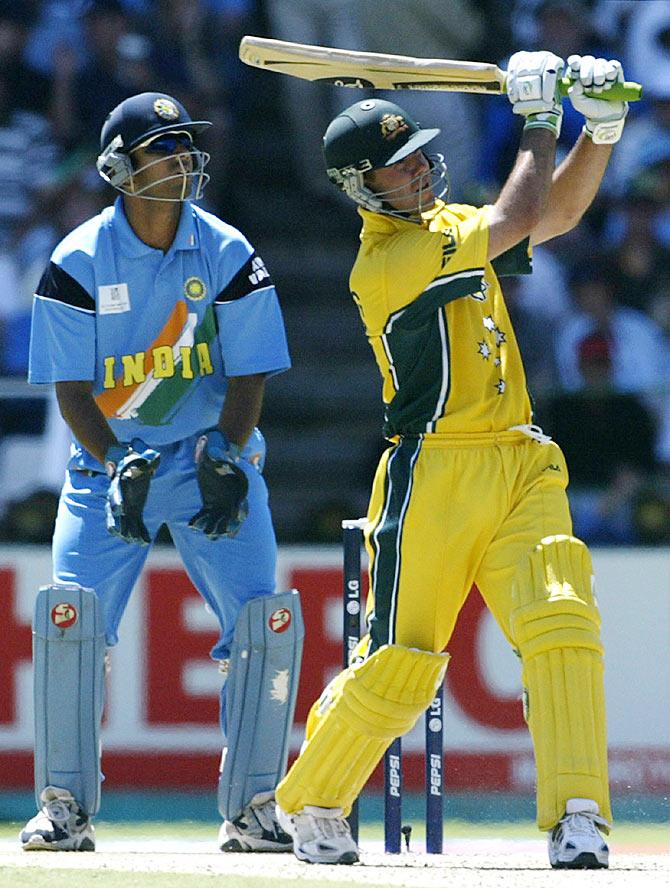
604 120
532 87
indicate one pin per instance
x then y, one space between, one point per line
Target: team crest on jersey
195 289
392 125
166 109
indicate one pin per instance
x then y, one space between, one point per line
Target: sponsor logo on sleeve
258 271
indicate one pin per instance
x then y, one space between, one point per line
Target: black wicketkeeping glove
130 469
223 487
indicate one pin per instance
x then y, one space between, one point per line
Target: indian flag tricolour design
153 400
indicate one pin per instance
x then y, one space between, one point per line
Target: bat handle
629 91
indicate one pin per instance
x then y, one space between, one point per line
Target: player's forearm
581 172
527 189
575 184
523 199
242 408
85 419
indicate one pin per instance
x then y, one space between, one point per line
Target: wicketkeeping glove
130 467
604 120
223 487
532 87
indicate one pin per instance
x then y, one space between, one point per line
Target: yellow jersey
436 319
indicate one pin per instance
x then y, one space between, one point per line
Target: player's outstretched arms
130 468
223 487
532 87
577 179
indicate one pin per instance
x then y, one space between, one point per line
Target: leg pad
556 627
260 696
68 659
360 713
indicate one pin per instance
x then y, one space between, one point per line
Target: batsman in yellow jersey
470 491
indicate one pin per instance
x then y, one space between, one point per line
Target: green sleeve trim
439 292
516 260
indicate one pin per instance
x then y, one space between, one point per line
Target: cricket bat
374 70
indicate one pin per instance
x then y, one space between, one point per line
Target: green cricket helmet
369 135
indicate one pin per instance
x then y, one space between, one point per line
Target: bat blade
373 70
369 70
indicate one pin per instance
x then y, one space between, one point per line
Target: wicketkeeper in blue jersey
158 324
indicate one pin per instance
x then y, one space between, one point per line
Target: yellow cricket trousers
446 512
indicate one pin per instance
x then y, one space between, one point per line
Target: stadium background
602 289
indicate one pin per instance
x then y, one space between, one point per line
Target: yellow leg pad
556 627
362 711
319 706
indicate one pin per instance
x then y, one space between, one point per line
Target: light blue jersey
156 333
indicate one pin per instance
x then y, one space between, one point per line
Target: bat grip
629 91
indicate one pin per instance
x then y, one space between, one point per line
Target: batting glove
223 487
532 87
604 120
130 468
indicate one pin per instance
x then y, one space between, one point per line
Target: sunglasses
169 143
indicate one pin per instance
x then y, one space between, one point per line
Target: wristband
604 133
550 120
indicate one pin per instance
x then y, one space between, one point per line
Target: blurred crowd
593 320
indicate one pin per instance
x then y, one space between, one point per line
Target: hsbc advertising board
161 716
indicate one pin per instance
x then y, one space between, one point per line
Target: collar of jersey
186 237
382 222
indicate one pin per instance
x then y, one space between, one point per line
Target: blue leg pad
261 691
68 661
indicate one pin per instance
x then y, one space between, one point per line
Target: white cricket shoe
256 828
320 835
60 825
576 842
